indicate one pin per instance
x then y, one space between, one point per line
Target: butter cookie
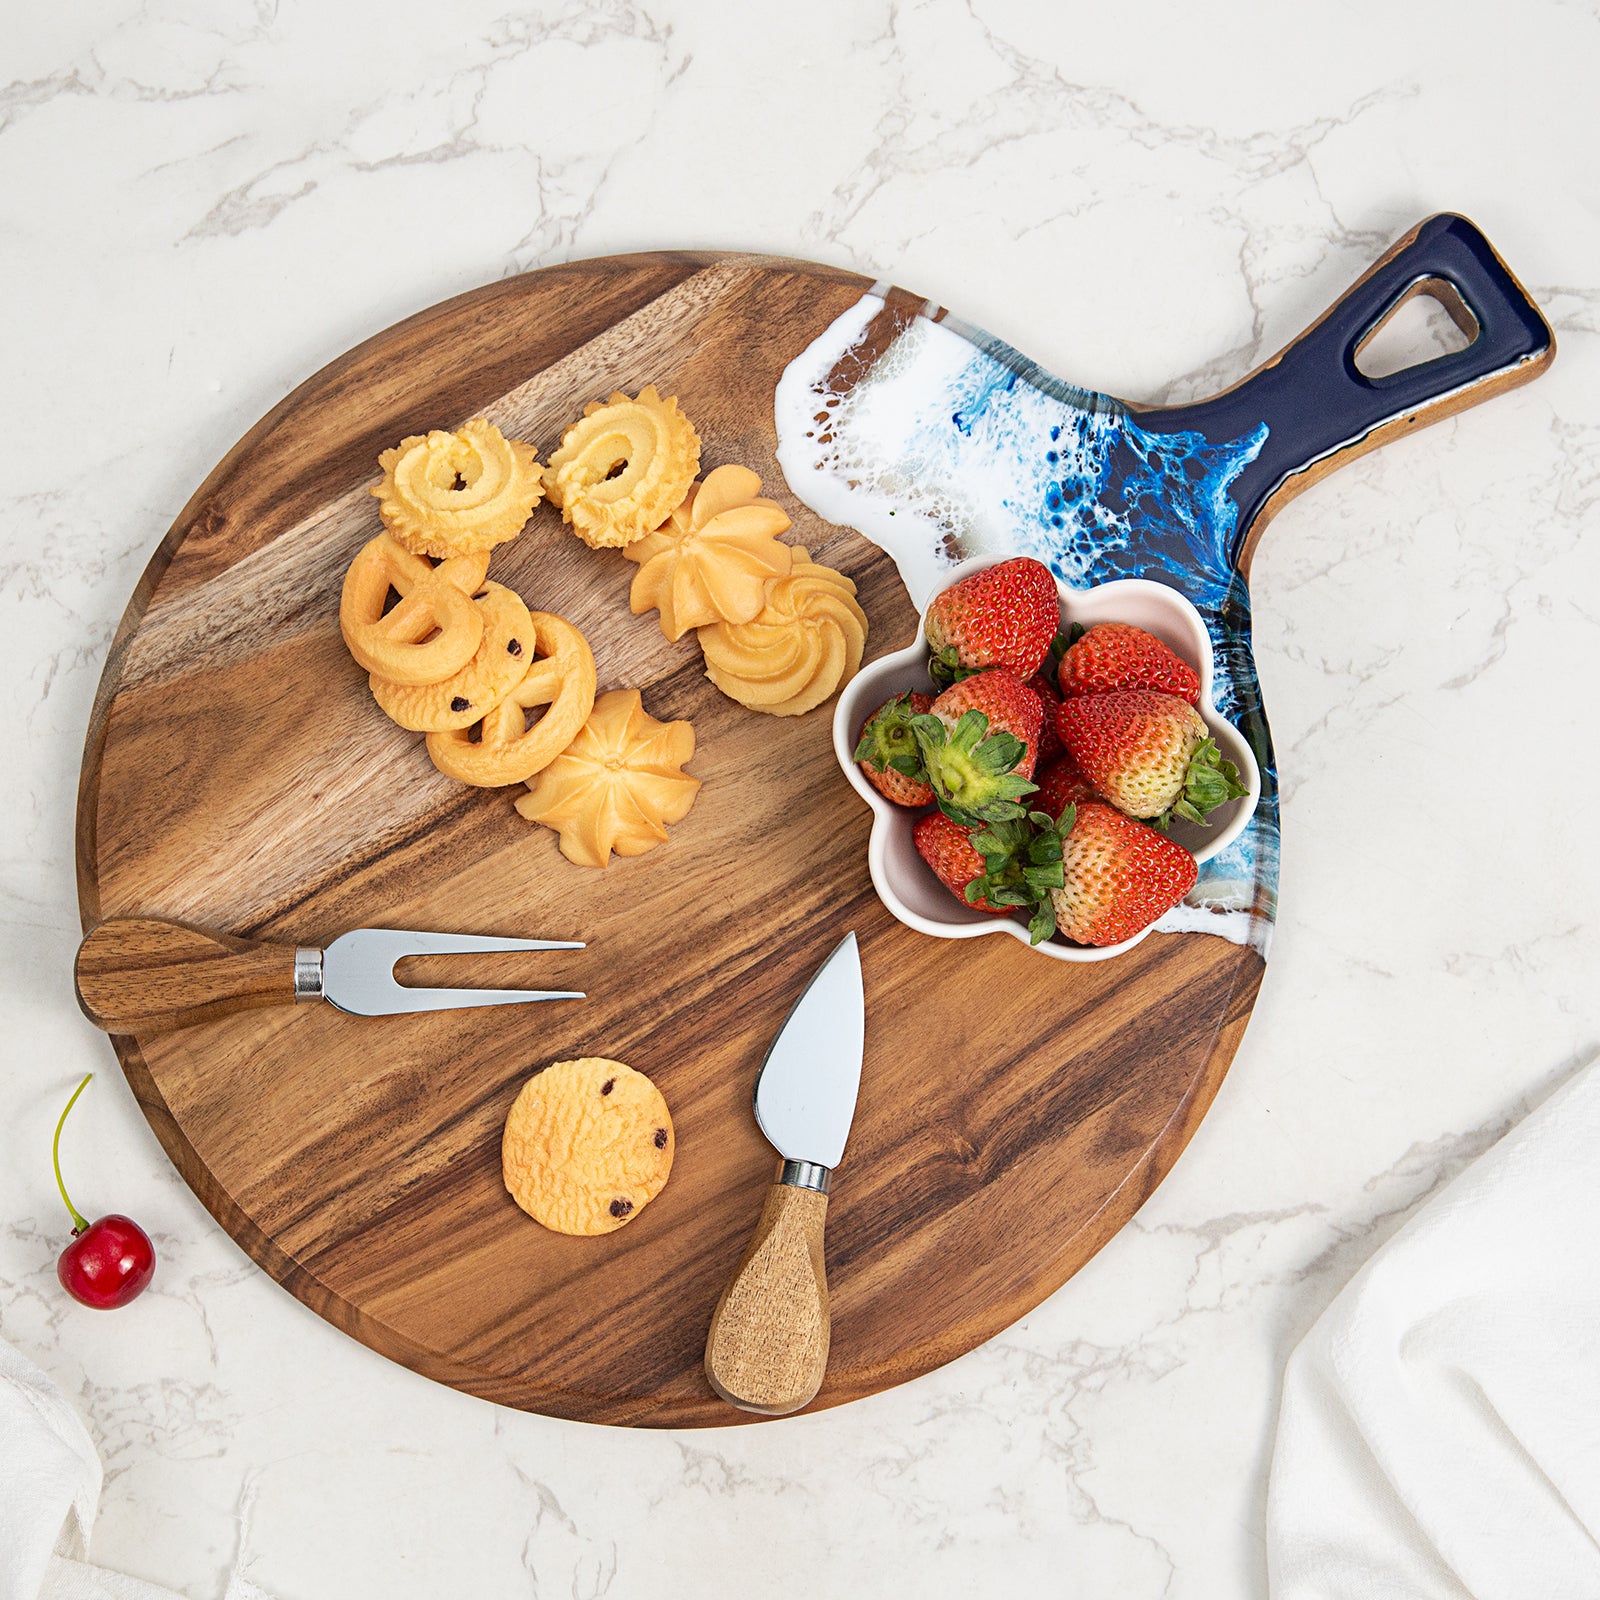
509 748
497 666
806 642
587 1146
618 785
453 494
710 560
433 630
623 467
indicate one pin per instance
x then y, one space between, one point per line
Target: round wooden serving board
1014 1111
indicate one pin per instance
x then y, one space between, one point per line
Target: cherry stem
79 1221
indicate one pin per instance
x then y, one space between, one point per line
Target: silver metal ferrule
307 975
806 1175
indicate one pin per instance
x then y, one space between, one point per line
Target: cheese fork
149 975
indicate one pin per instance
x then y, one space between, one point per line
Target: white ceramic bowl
904 881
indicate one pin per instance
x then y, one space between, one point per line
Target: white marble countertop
202 204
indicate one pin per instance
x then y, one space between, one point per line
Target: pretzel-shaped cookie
493 672
509 749
435 628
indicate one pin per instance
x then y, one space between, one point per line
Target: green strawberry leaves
1063 641
972 770
887 740
945 667
1209 783
1022 864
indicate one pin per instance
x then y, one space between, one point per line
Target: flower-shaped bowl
906 884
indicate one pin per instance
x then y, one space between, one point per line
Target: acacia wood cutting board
1014 1111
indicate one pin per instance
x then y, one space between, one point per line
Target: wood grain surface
1014 1111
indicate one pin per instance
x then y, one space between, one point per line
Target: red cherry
109 1262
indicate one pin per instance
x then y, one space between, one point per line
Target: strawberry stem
79 1221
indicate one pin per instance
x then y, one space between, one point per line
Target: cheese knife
767 1349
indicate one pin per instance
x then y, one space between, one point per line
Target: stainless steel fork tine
403 999
466 944
356 971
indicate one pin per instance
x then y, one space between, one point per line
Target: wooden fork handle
146 975
768 1346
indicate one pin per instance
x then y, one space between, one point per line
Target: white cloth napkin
1440 1427
49 1489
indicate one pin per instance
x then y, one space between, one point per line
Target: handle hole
1428 321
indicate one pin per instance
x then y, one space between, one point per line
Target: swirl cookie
495 669
710 561
806 642
509 748
618 785
453 494
434 629
623 468
587 1146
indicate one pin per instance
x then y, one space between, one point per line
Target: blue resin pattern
1099 497
956 445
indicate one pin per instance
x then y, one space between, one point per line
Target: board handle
767 1349
1321 410
146 975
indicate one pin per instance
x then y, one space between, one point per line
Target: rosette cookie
492 673
509 748
623 468
710 561
451 494
618 785
805 643
432 631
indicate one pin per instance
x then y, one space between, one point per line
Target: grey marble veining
200 206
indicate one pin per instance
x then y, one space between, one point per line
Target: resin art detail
952 445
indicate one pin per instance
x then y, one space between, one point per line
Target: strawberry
1043 684
1004 616
1061 784
1116 655
947 847
978 742
1147 753
888 753
1119 876
999 867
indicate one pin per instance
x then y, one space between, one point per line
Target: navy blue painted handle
1317 404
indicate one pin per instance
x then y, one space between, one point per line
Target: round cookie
455 494
587 1145
499 664
622 467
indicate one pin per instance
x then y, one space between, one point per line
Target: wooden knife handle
146 975
768 1345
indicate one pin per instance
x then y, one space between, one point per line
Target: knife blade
767 1349
805 1094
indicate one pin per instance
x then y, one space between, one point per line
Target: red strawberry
1147 753
1116 655
1119 876
1061 784
888 754
1005 616
978 745
1043 684
999 867
947 847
